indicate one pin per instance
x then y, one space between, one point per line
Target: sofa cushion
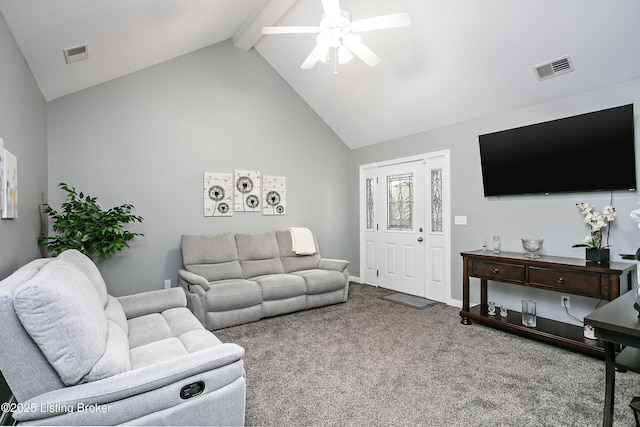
156 352
300 262
232 294
60 308
291 261
22 363
261 267
113 311
257 246
321 281
88 267
175 332
208 249
220 271
281 286
115 359
146 329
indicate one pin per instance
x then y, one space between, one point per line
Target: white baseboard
354 279
456 303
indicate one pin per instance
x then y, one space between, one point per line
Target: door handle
420 239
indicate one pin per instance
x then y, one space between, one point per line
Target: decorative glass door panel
400 202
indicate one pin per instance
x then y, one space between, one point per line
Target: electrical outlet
167 283
565 301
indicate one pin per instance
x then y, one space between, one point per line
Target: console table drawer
587 284
498 271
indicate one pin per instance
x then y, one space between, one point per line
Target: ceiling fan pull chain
335 61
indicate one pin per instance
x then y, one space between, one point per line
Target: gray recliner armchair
74 355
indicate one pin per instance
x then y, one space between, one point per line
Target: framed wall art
1 174
274 195
218 194
10 186
247 191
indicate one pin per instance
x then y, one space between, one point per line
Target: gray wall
147 138
553 217
23 128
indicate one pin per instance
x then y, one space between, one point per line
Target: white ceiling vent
554 68
76 53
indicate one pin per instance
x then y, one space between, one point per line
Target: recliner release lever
192 390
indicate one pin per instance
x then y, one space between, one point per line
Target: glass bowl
532 246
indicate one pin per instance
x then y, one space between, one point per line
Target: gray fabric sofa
235 278
74 355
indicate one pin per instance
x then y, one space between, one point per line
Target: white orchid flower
598 225
597 221
609 213
584 208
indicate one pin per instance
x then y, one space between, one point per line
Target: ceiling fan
338 32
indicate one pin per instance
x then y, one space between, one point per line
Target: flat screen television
587 152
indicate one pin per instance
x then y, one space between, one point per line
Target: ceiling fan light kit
338 32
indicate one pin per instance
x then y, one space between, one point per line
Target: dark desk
617 323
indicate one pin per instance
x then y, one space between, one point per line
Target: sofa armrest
193 279
152 302
333 264
111 395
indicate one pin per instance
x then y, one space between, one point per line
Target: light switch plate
460 220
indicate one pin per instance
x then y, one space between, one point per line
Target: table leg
483 292
465 292
610 380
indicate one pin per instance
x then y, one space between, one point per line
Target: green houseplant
81 224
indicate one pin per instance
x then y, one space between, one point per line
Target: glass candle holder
492 308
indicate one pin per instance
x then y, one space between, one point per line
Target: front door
401 204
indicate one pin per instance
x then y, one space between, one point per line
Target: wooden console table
567 275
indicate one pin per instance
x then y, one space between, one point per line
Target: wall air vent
76 53
554 68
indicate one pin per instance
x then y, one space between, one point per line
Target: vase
598 255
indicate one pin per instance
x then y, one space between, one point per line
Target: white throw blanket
302 241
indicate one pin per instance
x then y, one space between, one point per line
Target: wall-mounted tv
588 152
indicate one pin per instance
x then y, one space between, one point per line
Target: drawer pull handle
560 279
495 270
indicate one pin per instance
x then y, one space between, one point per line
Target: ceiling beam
266 14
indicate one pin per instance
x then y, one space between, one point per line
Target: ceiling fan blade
331 8
291 30
361 51
317 54
402 19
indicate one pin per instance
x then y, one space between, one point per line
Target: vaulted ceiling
459 60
